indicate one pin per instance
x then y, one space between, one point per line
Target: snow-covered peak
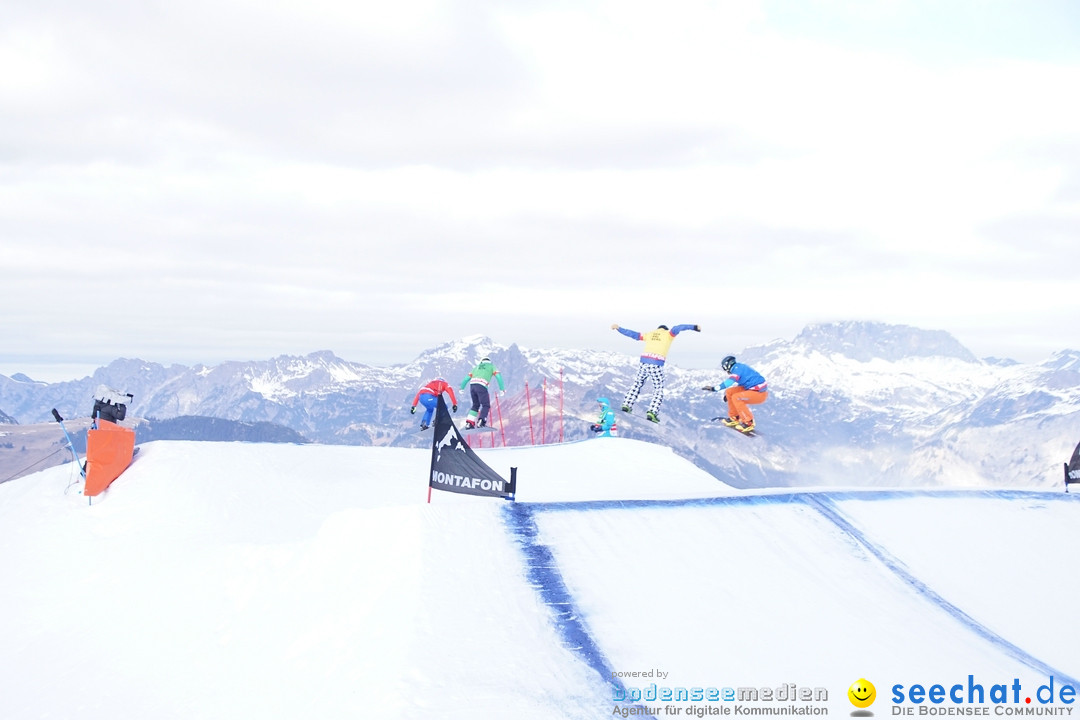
1063 360
865 341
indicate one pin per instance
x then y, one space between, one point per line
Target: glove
453 409
614 326
697 328
594 428
412 410
710 388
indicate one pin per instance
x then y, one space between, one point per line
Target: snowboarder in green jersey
478 381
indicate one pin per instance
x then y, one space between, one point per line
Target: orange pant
739 397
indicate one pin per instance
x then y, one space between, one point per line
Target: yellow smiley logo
862 693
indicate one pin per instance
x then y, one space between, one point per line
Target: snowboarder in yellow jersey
657 344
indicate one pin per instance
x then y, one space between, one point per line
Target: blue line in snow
800 496
544 575
826 507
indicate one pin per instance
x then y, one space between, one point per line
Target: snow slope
228 580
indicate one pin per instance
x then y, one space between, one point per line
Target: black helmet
727 362
663 327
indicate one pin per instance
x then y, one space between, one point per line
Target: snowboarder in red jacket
428 396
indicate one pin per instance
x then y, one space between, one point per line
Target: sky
201 182
225 580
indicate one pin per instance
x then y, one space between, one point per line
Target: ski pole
75 455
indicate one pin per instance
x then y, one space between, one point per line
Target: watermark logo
1005 698
862 694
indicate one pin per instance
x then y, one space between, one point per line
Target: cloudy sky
195 182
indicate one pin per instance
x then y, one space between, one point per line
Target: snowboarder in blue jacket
743 387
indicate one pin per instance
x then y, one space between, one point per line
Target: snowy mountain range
851 403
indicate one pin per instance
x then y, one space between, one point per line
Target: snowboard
644 418
751 433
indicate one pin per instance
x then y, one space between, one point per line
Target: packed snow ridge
225 580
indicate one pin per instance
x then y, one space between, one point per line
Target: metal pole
528 404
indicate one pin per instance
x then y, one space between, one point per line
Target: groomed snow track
849 519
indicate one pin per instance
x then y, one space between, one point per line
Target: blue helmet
603 401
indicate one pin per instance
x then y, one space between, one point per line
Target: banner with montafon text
1072 468
456 468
